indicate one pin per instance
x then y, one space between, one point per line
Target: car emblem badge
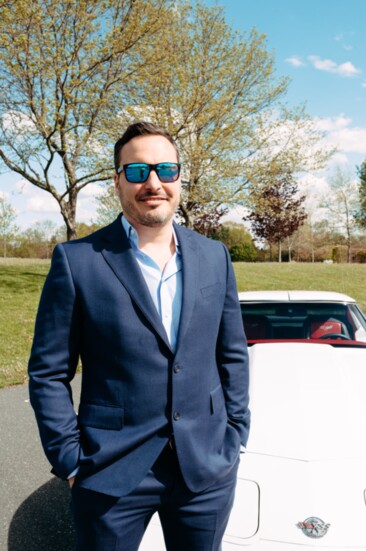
313 527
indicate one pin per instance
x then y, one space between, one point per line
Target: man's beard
152 218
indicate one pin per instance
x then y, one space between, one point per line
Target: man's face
151 203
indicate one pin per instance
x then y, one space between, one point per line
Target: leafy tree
74 72
243 252
217 93
238 240
207 219
63 69
361 211
277 208
232 233
36 241
108 206
8 228
84 229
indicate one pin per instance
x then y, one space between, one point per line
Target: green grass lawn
21 282
343 278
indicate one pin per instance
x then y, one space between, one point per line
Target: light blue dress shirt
165 287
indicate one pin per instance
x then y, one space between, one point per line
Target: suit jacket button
176 368
176 416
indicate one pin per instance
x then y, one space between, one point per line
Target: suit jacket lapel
188 249
118 253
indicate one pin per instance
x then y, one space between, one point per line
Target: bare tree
341 205
8 228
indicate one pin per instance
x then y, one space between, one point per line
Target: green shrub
243 252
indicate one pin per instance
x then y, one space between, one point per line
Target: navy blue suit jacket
135 390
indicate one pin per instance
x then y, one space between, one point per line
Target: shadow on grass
43 521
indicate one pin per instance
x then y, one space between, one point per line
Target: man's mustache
149 194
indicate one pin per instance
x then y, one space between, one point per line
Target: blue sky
319 44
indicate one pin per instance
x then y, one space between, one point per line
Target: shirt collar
134 238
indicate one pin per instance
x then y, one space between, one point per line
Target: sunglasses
137 173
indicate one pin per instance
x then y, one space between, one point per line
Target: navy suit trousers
190 521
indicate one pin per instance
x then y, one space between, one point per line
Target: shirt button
176 368
176 416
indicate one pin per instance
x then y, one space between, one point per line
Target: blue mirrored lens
137 172
167 172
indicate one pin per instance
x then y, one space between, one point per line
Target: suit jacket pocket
217 399
101 416
210 290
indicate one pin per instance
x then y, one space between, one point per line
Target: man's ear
116 181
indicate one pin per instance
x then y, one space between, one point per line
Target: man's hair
136 129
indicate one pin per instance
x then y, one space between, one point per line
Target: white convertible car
302 481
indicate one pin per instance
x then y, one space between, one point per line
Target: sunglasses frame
155 168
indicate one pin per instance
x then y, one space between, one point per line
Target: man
151 309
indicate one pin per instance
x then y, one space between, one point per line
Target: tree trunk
187 216
280 251
349 249
68 212
70 232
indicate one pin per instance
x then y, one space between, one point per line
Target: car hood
308 401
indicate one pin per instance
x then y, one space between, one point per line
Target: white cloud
91 190
15 121
87 205
37 200
312 185
36 204
346 69
44 203
342 38
25 187
295 61
333 123
363 84
341 134
339 158
350 139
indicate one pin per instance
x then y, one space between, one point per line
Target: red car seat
320 328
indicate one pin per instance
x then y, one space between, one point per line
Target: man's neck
156 241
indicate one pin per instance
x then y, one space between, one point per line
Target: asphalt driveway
34 505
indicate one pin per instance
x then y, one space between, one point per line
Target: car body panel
287 296
306 454
315 395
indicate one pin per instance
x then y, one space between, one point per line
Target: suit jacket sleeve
52 366
233 360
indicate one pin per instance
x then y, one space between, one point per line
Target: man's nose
153 182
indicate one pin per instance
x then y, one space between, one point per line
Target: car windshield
336 322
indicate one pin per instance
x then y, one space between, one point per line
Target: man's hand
71 481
